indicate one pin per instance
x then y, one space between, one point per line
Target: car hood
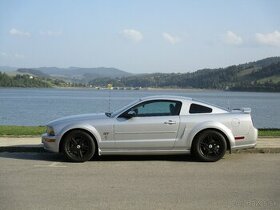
76 118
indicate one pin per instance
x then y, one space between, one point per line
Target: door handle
170 122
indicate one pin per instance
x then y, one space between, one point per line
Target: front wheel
78 146
209 146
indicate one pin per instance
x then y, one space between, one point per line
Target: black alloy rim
211 146
78 146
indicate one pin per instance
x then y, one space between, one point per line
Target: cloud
3 54
19 56
132 34
50 33
232 38
272 39
16 32
12 55
170 38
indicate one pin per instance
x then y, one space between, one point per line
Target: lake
31 106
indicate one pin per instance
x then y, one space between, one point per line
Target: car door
154 125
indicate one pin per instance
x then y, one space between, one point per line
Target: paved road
44 181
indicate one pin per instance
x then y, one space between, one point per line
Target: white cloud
19 56
12 55
232 38
132 34
272 39
170 38
3 54
16 32
51 33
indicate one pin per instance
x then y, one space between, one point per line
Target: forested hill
74 74
262 75
21 81
28 81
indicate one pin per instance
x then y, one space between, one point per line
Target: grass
269 132
12 130
274 79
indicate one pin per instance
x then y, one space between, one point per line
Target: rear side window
196 108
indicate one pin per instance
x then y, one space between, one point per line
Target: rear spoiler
244 110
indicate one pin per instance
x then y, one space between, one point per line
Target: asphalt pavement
45 181
31 178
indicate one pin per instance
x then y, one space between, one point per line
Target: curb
258 150
40 149
35 148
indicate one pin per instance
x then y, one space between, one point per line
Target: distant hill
75 74
33 72
22 81
262 75
7 68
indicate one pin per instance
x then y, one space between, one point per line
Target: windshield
119 111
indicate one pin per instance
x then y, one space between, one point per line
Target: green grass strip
12 130
269 132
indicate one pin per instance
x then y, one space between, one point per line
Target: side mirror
130 114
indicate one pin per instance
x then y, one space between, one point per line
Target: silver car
153 125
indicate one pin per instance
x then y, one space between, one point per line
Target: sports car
153 125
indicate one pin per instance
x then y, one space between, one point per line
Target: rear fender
211 125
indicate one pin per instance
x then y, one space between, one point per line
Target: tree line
21 81
241 77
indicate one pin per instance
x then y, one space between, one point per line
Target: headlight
50 131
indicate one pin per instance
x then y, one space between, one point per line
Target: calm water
38 106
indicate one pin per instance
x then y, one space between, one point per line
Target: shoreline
143 89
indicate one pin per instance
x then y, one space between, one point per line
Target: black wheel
209 146
78 146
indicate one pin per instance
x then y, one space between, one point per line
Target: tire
209 146
78 146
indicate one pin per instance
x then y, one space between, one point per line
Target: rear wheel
78 146
209 146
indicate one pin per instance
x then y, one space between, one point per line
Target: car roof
166 97
182 98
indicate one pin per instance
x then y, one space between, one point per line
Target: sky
139 36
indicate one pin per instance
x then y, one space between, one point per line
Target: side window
196 108
157 108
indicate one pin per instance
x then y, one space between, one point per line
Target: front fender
89 128
211 125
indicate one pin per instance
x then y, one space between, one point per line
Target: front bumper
50 143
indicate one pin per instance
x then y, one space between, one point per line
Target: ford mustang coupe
153 125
